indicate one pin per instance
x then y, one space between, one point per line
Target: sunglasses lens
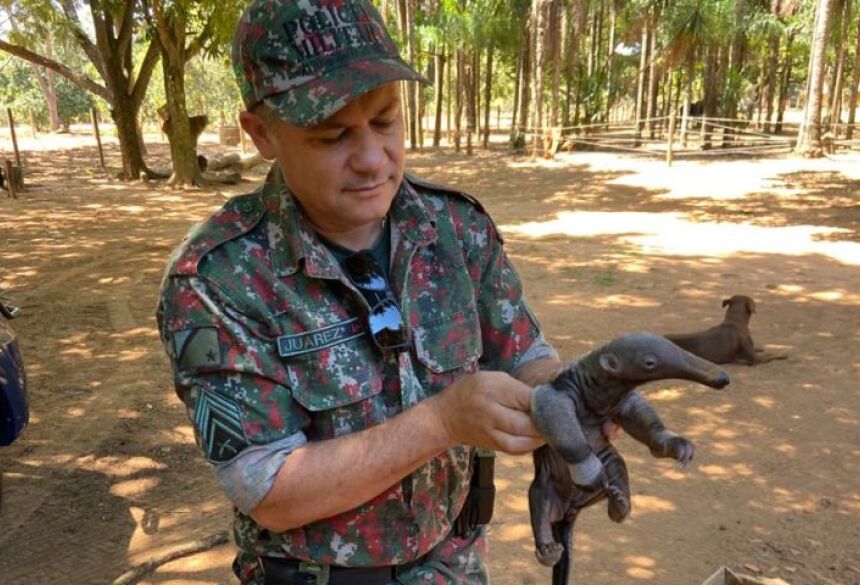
386 325
385 320
364 272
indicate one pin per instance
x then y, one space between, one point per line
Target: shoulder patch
237 217
197 347
421 184
219 426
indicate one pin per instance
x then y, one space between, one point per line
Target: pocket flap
449 342
334 376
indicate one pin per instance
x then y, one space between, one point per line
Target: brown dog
730 341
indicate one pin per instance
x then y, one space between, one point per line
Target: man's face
346 170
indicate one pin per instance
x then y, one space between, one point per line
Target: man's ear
610 363
258 130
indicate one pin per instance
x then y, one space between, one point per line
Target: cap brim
319 98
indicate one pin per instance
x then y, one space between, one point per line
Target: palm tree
809 135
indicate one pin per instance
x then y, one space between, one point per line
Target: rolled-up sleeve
229 376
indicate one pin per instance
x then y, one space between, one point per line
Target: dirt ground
107 475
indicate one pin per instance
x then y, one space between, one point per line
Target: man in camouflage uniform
341 395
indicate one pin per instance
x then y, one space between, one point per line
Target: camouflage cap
309 58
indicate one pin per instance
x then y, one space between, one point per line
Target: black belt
280 571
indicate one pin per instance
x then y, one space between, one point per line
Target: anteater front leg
641 422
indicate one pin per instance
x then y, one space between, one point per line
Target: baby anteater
579 467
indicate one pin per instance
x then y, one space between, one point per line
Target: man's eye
384 124
332 137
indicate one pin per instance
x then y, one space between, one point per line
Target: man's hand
488 409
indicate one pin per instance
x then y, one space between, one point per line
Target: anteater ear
610 363
727 302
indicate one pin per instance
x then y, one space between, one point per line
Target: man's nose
369 154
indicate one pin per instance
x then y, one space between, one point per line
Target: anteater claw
549 554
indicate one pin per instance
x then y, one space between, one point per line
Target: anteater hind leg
619 483
546 504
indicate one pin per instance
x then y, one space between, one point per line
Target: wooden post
33 123
242 138
95 117
10 179
702 132
671 142
15 142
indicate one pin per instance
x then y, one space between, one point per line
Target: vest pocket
339 386
451 342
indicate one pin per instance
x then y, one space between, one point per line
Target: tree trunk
652 73
785 82
688 99
737 52
452 66
770 81
809 136
439 83
458 103
518 81
712 88
46 78
183 145
613 21
855 82
539 38
171 37
592 45
488 88
555 37
836 101
642 83
412 86
526 84
48 84
471 100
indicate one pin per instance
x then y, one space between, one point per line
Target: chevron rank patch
219 427
196 348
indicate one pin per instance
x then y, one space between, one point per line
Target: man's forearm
325 478
539 371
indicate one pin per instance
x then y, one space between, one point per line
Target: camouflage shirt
267 339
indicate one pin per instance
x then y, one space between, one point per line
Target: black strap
280 571
478 509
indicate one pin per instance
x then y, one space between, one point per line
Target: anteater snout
722 381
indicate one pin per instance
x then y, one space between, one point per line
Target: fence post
671 143
15 141
10 178
95 117
33 123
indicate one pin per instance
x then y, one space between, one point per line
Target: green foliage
18 87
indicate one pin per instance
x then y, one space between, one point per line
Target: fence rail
674 137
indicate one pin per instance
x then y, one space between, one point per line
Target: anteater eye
650 362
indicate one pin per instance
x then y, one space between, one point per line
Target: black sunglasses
385 321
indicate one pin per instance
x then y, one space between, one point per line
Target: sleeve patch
219 425
196 348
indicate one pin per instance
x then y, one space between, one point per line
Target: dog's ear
727 302
750 305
